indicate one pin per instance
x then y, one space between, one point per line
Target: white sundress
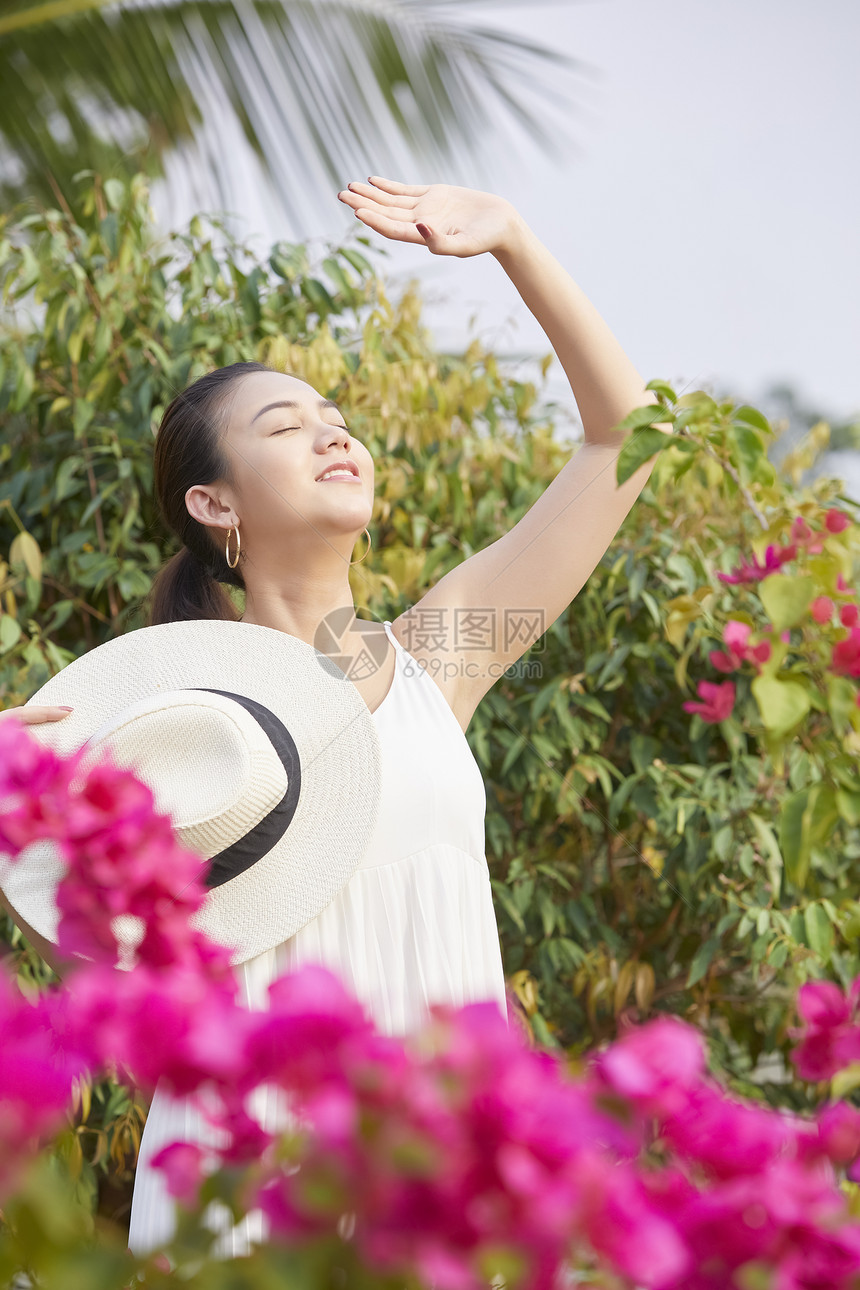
414 925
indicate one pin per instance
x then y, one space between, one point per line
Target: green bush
642 859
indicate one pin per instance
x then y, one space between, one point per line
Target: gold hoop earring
367 552
238 548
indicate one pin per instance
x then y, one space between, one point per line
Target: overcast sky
708 201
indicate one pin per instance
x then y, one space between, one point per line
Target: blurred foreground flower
456 1152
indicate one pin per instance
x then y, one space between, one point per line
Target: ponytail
187 452
184 590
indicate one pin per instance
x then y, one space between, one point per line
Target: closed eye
283 429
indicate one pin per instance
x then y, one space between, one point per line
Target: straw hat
261 750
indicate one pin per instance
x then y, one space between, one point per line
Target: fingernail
63 708
424 230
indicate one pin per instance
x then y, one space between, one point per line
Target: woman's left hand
445 219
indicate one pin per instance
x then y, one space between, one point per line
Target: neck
318 612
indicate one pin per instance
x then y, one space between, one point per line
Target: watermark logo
455 630
359 661
450 640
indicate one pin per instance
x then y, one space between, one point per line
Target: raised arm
544 560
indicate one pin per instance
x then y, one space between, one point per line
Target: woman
246 471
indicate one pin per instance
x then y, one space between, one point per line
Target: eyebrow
290 403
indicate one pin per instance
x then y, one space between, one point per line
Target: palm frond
322 89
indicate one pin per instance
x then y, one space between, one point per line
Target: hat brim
334 732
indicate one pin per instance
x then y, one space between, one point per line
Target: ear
205 505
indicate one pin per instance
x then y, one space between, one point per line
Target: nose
334 434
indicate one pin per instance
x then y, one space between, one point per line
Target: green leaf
782 704
114 190
25 551
786 598
358 261
806 818
513 753
848 805
10 632
772 854
548 912
751 416
841 702
503 896
702 960
642 418
819 930
662 388
65 474
749 451
794 841
640 448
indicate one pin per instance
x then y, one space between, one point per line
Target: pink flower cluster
830 1038
122 857
803 538
35 1081
754 570
452 1148
717 699
738 651
478 1143
744 1186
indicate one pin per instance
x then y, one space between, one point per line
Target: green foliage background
641 860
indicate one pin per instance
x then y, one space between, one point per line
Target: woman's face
281 437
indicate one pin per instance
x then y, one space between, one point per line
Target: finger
36 714
389 212
382 198
400 190
400 231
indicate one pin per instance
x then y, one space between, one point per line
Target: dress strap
394 641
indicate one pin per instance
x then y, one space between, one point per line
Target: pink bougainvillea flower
839 1132
654 1066
830 1039
738 649
736 635
727 1137
753 570
804 536
182 1165
822 1003
35 1079
724 662
835 521
849 615
717 701
624 1224
822 609
845 658
459 1143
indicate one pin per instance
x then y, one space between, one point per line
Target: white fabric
414 925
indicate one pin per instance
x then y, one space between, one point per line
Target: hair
188 451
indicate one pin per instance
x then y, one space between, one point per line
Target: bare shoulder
428 631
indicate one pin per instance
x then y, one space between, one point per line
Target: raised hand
445 219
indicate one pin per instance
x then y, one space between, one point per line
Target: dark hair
188 452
